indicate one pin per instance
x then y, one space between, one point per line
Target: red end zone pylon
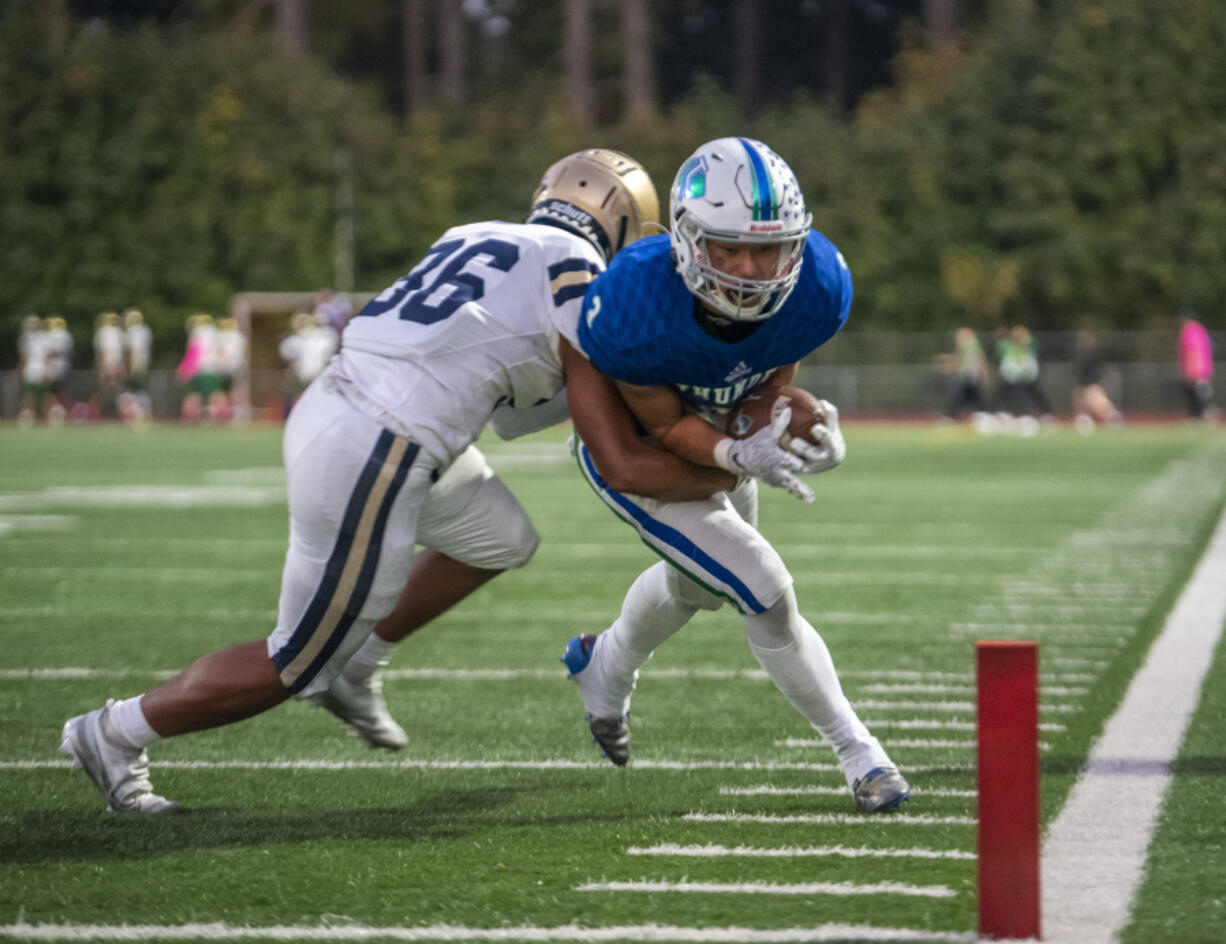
1008 683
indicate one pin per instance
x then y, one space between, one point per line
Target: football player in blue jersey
728 303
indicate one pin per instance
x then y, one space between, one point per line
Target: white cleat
362 708
120 773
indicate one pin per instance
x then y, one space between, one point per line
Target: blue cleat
881 790
578 653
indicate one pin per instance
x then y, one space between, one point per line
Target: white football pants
360 498
715 554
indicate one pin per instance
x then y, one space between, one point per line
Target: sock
650 614
128 725
373 654
804 673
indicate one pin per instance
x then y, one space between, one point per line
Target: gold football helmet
603 195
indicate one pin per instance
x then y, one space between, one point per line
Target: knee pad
778 626
472 517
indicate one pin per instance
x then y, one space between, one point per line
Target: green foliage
169 172
1060 163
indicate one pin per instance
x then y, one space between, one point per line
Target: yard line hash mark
220 931
832 819
769 888
796 852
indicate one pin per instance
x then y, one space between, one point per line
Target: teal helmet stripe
764 201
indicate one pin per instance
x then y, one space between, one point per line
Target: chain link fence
864 373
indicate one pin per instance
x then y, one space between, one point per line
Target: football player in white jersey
473 327
108 364
134 404
33 350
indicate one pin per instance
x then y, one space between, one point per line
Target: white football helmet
601 194
737 190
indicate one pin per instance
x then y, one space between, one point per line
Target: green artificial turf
501 809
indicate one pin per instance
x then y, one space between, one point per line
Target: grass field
125 553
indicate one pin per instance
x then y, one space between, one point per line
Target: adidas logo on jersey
739 371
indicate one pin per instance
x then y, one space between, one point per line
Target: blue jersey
638 325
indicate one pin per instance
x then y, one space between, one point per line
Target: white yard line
832 819
342 765
220 931
144 496
922 743
940 724
920 688
393 675
817 790
952 707
771 888
1095 849
711 850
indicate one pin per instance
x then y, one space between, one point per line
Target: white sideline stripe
1093 860
710 850
770 888
833 819
220 931
811 790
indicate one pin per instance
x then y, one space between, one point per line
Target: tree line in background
1058 163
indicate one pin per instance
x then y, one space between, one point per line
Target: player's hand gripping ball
761 409
812 433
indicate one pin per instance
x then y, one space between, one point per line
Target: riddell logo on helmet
766 227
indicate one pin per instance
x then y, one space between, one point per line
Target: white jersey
473 327
204 337
108 349
34 349
308 351
231 351
59 354
138 339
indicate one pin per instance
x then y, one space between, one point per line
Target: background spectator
32 368
1196 367
1091 405
134 404
59 364
968 366
108 365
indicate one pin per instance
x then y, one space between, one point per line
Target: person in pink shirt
1196 366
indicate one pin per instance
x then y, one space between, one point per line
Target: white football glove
832 448
761 456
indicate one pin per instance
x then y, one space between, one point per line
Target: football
756 410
